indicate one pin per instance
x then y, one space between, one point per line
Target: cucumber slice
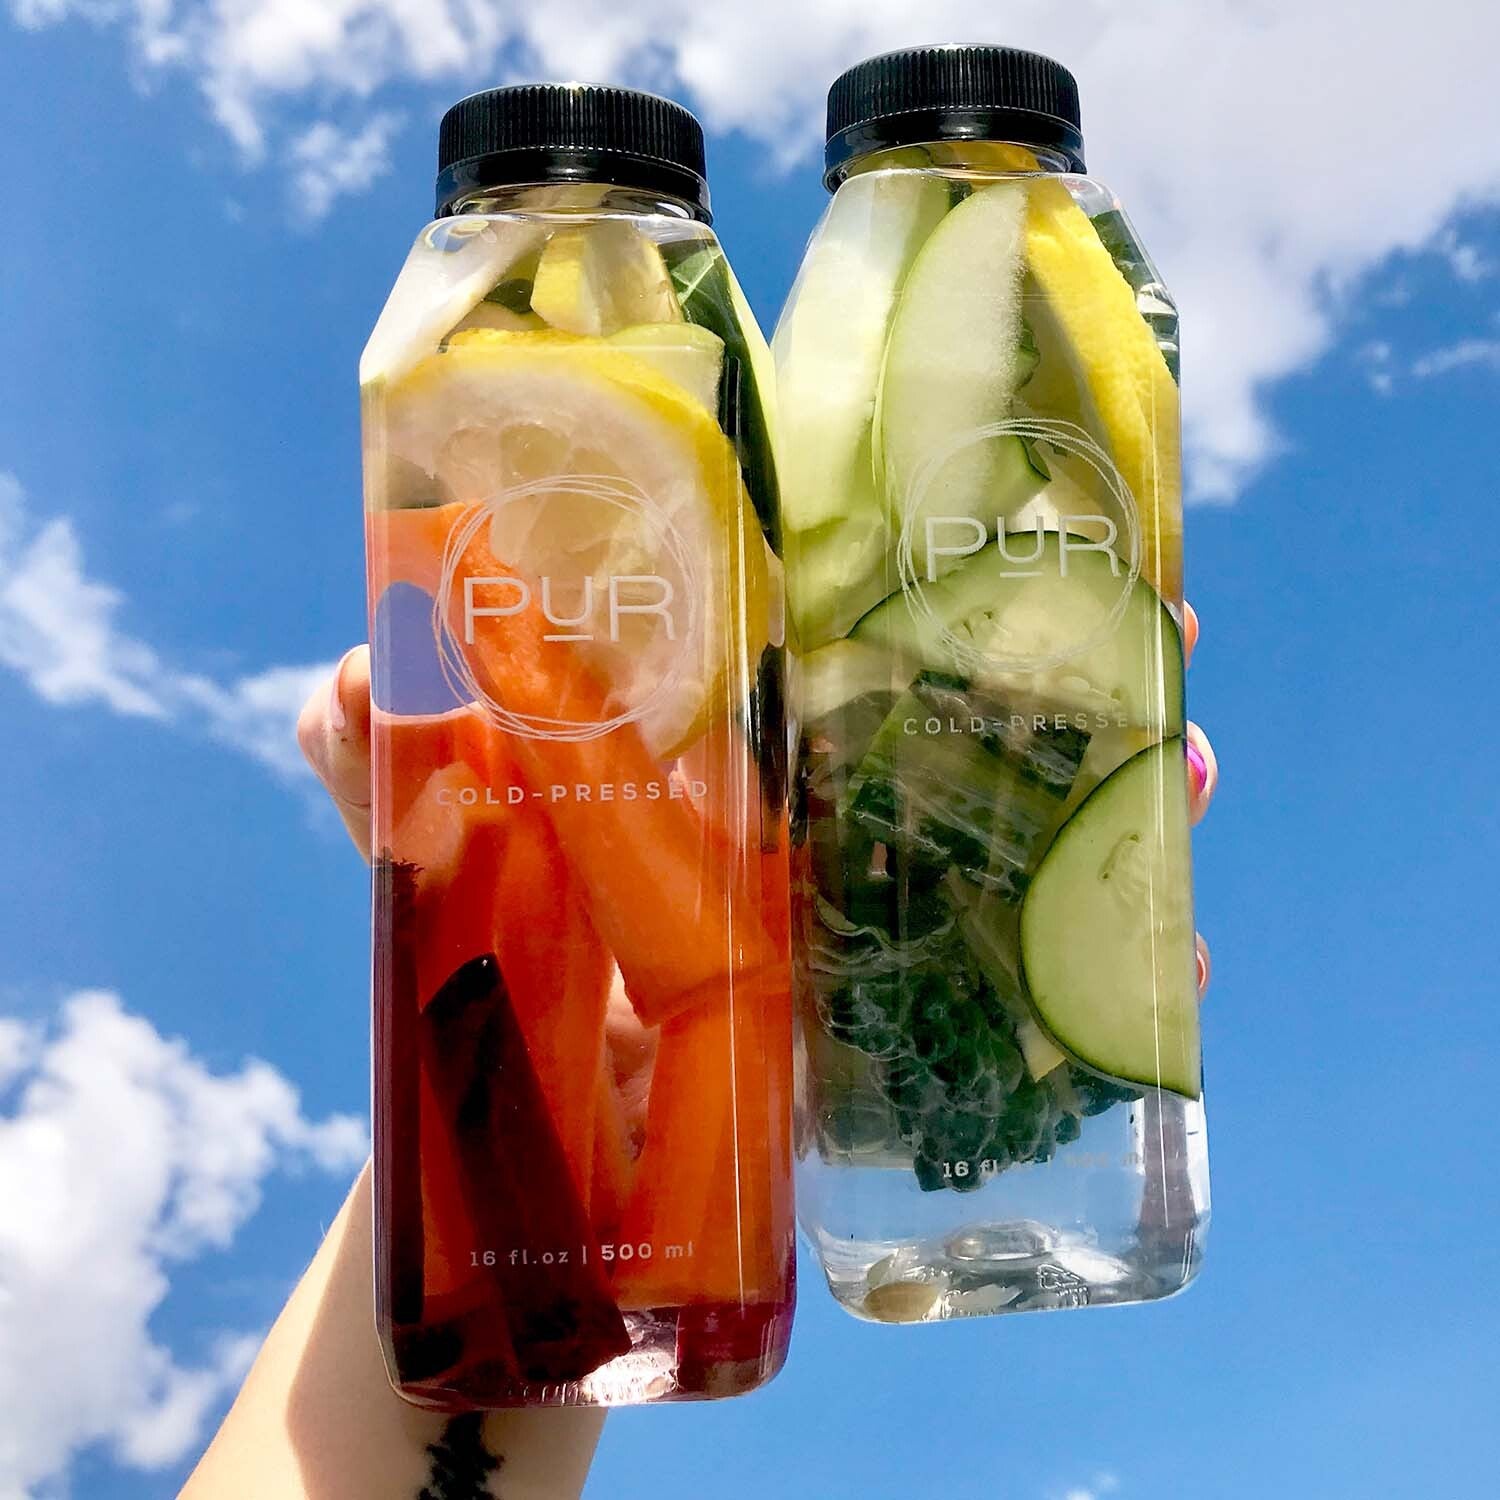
984 621
836 575
835 675
830 344
988 926
1107 929
957 356
711 298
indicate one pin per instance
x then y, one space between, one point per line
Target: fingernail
1202 970
1198 765
336 716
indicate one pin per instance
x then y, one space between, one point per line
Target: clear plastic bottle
582 1007
992 910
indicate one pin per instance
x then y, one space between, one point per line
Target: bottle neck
562 198
961 155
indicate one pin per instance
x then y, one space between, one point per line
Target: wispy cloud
329 163
61 630
123 1156
1465 354
1261 237
1376 360
1468 261
1101 1485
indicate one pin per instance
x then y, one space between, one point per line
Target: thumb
333 730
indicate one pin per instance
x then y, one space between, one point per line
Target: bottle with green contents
992 907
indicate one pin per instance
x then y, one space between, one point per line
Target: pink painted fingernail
336 716
1198 765
1202 971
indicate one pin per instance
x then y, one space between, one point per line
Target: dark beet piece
518 1189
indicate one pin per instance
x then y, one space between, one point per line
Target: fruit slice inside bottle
558 890
613 492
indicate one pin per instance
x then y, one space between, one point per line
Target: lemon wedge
689 356
615 494
1119 366
601 278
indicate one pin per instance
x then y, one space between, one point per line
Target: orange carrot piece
714 1177
457 920
492 878
434 833
407 748
612 1165
406 546
655 890
448 1236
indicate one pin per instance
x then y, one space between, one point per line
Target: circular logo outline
1069 437
624 494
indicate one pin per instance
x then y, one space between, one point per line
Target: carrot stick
490 877
612 1166
714 1178
407 749
676 926
406 546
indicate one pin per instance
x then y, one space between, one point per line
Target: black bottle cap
953 93
570 132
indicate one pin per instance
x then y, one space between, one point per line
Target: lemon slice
602 278
1122 371
488 314
684 353
617 497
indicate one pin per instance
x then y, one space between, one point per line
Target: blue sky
179 426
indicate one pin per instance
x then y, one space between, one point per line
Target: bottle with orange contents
581 972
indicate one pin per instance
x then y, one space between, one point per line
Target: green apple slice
831 341
954 362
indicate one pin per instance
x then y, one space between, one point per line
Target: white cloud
121 1156
1468 261
329 163
1274 152
1465 354
1376 357
60 630
1101 1485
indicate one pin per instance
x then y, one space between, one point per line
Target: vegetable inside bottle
582 994
994 963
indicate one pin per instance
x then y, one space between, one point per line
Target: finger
1203 772
333 730
631 1052
1189 632
1205 965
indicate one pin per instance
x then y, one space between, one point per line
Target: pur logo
580 611
1106 541
951 537
544 529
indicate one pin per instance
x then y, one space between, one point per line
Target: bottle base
1009 1267
694 1353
